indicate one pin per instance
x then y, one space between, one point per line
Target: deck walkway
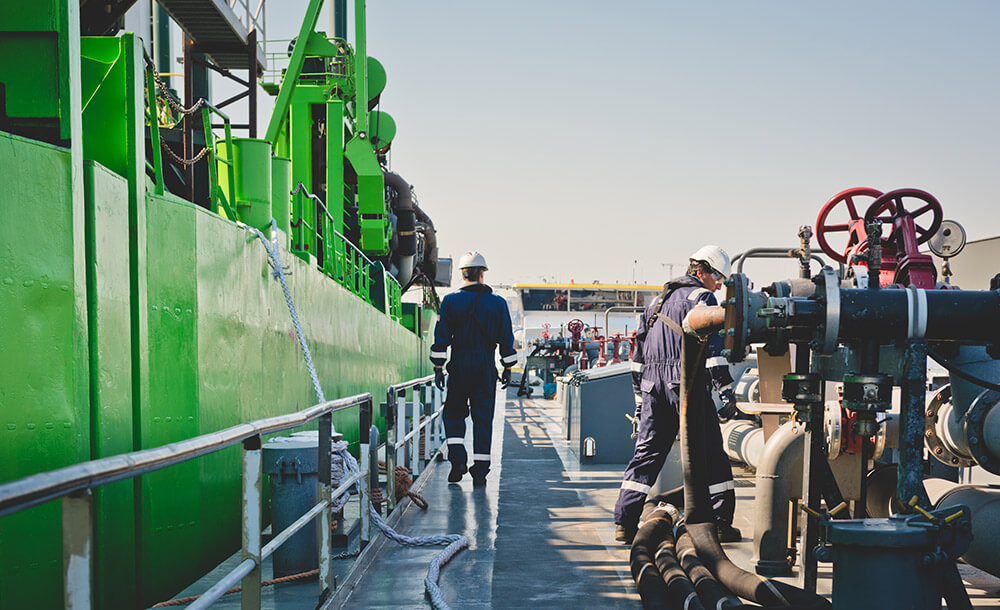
541 530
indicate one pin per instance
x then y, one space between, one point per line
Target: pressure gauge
949 240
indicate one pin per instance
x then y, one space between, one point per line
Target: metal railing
74 484
341 259
218 197
406 420
279 52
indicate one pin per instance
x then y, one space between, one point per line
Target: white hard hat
716 257
473 259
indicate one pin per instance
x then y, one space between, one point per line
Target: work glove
505 378
728 410
439 378
636 415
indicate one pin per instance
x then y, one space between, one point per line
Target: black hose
699 517
402 207
653 553
711 593
958 372
675 497
652 589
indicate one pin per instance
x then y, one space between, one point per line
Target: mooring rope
454 542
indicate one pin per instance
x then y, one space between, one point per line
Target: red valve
575 326
823 228
892 202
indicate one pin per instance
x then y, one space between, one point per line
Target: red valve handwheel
575 326
822 228
892 202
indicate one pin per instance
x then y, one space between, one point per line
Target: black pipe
699 517
952 315
910 472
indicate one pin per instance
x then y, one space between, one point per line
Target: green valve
252 165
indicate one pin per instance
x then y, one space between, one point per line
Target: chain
173 155
170 97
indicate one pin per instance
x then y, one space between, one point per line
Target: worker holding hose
656 376
473 322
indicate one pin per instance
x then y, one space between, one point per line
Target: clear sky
567 140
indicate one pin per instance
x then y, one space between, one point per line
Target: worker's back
473 321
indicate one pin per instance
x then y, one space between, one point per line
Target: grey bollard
292 466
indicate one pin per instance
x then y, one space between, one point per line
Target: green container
252 166
281 189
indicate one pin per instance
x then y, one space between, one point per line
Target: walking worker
656 377
473 322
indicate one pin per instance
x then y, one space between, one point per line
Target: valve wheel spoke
847 198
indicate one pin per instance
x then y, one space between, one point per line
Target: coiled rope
454 542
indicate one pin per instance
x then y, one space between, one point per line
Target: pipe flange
932 440
737 321
828 285
974 419
879 446
834 429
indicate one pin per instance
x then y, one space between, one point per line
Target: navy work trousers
471 386
658 426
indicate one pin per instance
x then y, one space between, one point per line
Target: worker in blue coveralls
473 321
656 376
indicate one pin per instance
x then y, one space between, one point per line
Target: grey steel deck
541 530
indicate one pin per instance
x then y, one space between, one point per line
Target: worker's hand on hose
439 378
505 378
728 410
638 401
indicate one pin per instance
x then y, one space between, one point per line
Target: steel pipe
743 441
985 506
777 483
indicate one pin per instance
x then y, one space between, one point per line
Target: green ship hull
213 345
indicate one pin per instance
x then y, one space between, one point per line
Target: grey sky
569 139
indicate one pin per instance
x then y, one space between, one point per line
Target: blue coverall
656 373
473 321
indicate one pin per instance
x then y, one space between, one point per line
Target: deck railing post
401 449
365 466
415 430
253 481
325 517
391 434
77 522
439 423
429 428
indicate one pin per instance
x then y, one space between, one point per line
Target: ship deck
541 533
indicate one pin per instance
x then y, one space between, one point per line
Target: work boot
728 533
457 470
625 535
479 481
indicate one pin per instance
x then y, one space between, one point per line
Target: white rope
454 542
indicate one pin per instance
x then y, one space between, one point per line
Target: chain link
173 155
169 96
